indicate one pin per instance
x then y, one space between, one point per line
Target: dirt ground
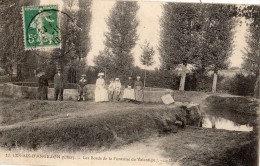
131 135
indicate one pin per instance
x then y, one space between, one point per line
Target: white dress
100 91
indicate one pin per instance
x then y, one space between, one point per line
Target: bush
240 84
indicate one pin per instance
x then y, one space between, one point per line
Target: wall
152 95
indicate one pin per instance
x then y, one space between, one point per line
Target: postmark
41 27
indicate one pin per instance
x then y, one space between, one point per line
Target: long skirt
43 93
101 94
129 94
139 95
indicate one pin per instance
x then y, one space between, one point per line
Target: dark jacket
58 81
130 83
43 81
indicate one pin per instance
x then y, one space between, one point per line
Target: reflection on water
222 123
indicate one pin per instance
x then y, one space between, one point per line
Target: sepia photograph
129 83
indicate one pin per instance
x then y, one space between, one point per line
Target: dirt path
192 146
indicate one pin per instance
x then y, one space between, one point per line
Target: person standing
111 89
43 86
129 94
100 91
58 85
82 88
117 89
138 88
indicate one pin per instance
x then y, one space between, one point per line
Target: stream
227 120
222 123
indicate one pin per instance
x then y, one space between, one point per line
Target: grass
72 125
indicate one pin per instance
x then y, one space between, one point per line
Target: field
119 130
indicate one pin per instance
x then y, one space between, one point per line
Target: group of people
43 85
133 91
59 86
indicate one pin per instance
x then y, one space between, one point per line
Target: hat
58 69
117 79
138 77
83 75
100 74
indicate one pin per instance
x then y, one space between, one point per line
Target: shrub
240 84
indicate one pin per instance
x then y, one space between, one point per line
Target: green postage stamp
41 27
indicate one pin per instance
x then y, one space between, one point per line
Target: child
82 88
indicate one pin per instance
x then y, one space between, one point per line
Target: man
82 88
58 85
43 86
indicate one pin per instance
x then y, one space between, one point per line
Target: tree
122 36
103 61
84 15
252 51
147 57
13 53
216 39
197 34
75 27
178 36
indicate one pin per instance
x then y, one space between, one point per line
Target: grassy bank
79 126
73 125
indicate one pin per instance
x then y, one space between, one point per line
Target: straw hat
117 79
83 75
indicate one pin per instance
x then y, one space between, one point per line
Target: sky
149 15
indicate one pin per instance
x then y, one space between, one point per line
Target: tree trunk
144 75
183 77
214 85
105 73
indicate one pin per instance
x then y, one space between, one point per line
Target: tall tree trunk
144 75
105 73
183 77
214 85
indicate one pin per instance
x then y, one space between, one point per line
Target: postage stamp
41 27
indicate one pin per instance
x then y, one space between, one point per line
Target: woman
129 94
100 91
138 87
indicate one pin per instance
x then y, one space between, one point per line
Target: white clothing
100 91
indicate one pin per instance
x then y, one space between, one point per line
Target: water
222 123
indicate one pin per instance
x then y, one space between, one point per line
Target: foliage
13 54
179 34
252 53
121 36
198 34
240 84
216 37
104 61
147 55
84 15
